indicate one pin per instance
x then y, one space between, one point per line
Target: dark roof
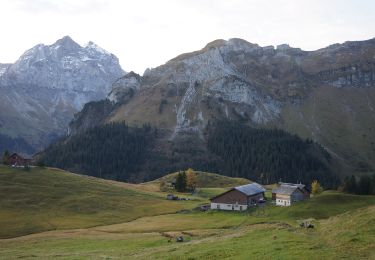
250 189
285 189
18 155
288 188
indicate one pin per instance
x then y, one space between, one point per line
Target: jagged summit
42 90
66 42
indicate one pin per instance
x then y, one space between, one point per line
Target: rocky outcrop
124 88
4 67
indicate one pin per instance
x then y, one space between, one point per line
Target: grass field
48 199
207 180
344 224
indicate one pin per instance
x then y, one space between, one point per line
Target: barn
17 160
288 193
239 198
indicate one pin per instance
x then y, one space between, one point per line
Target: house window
217 206
240 207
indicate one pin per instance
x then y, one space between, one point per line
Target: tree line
117 151
364 185
268 155
111 151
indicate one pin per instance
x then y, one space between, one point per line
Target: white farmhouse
287 193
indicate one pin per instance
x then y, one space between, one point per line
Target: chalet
17 160
288 193
239 198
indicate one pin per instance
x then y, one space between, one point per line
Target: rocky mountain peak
215 44
66 43
49 83
239 44
65 65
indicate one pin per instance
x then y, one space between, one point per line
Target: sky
147 33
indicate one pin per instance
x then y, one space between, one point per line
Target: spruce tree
6 157
352 185
364 185
181 181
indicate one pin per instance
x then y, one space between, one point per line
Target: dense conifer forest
112 151
269 155
364 185
117 151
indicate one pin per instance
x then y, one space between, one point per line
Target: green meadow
49 213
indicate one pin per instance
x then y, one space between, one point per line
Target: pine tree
352 185
364 185
181 182
6 157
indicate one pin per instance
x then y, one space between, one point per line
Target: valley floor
344 225
208 235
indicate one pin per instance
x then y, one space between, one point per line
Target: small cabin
17 160
288 193
239 198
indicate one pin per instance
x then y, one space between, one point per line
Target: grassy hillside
207 180
48 199
90 218
338 119
347 232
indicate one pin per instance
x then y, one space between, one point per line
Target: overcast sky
147 33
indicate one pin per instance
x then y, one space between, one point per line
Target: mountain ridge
326 95
48 84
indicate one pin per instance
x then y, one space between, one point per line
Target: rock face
42 90
327 95
125 87
4 67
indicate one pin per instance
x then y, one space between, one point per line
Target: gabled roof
18 155
288 188
299 185
250 189
285 189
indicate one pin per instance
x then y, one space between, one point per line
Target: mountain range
327 95
46 86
